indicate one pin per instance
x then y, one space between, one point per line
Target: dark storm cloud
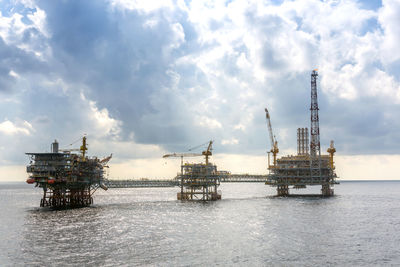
120 59
13 59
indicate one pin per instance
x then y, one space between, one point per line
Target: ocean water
360 226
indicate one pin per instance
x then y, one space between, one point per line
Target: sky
146 78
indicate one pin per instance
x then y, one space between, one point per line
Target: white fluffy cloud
103 124
29 37
388 17
231 141
9 128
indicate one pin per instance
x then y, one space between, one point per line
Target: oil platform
67 179
198 181
308 167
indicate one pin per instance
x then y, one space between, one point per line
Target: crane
208 152
205 153
182 155
82 148
104 161
274 143
331 150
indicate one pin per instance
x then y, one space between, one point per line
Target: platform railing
139 183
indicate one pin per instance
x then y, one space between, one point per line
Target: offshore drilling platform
308 167
198 181
67 179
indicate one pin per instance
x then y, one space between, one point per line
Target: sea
359 226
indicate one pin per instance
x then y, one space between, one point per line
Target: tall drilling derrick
315 147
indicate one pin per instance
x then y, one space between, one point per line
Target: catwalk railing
141 183
243 178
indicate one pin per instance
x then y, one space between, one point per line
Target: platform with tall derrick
67 179
308 167
198 181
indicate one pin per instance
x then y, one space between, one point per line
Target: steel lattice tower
315 148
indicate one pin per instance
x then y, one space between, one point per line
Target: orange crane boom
181 155
274 143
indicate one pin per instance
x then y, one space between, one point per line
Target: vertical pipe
182 178
307 141
298 141
301 141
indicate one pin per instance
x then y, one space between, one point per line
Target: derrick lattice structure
315 146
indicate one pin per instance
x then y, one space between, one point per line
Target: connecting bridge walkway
143 183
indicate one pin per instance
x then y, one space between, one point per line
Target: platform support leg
326 190
282 190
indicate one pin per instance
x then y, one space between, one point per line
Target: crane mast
331 150
208 152
274 143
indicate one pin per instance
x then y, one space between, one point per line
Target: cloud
209 123
232 141
388 19
26 30
142 5
104 124
9 128
142 79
